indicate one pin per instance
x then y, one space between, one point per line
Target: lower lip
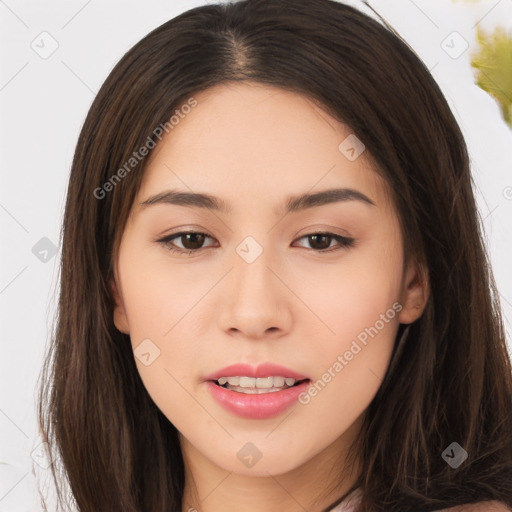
257 406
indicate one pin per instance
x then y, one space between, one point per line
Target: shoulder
484 506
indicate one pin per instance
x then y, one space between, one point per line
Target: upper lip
263 370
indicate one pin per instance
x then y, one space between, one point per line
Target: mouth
248 399
257 386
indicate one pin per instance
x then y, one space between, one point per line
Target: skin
254 146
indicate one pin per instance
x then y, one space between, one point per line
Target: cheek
359 306
350 367
159 305
155 298
351 297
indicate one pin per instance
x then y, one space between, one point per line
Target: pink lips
256 406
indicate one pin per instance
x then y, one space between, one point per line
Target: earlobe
415 294
120 318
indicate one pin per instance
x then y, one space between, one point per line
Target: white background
43 103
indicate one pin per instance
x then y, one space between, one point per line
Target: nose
256 302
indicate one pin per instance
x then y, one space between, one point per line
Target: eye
321 242
192 241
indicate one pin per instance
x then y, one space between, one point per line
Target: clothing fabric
350 502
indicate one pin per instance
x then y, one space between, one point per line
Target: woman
274 289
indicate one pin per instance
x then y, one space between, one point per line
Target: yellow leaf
493 65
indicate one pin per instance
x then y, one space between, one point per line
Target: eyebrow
292 204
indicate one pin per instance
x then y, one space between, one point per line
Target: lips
263 370
256 407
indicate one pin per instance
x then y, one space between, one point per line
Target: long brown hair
450 382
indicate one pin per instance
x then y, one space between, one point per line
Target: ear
120 318
415 293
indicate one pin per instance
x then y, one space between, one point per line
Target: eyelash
344 242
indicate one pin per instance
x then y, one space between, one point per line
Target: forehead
247 141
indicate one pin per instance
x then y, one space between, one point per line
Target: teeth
260 383
265 382
247 382
279 382
253 391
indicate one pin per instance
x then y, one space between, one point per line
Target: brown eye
191 241
321 242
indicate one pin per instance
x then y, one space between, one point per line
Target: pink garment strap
350 503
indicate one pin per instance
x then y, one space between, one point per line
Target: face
319 290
